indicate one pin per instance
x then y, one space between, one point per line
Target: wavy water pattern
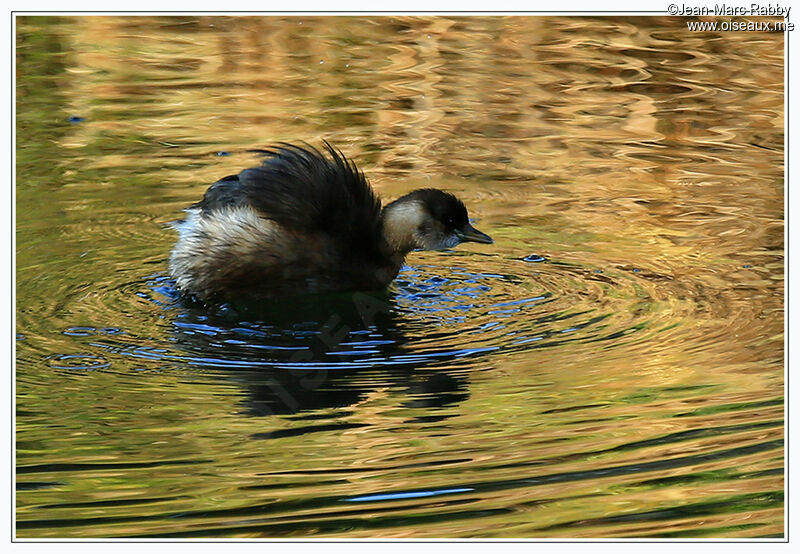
612 366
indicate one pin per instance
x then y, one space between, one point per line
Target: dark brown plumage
306 222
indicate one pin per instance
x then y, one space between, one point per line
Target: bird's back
300 222
302 189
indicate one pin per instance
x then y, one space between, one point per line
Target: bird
306 221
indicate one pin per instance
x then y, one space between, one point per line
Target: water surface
611 367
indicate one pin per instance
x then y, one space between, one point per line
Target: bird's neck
401 222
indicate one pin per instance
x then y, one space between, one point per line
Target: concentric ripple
612 366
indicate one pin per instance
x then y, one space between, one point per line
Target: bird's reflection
316 352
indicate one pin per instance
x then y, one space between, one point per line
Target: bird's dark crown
442 206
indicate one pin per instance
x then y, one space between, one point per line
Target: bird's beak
468 233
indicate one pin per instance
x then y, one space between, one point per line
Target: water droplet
223 153
79 361
77 331
534 258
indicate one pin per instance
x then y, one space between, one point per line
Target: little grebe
303 222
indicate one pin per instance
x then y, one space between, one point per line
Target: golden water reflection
631 384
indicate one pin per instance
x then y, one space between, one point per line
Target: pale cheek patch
441 241
401 224
451 241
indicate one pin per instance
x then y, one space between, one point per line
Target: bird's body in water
305 222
